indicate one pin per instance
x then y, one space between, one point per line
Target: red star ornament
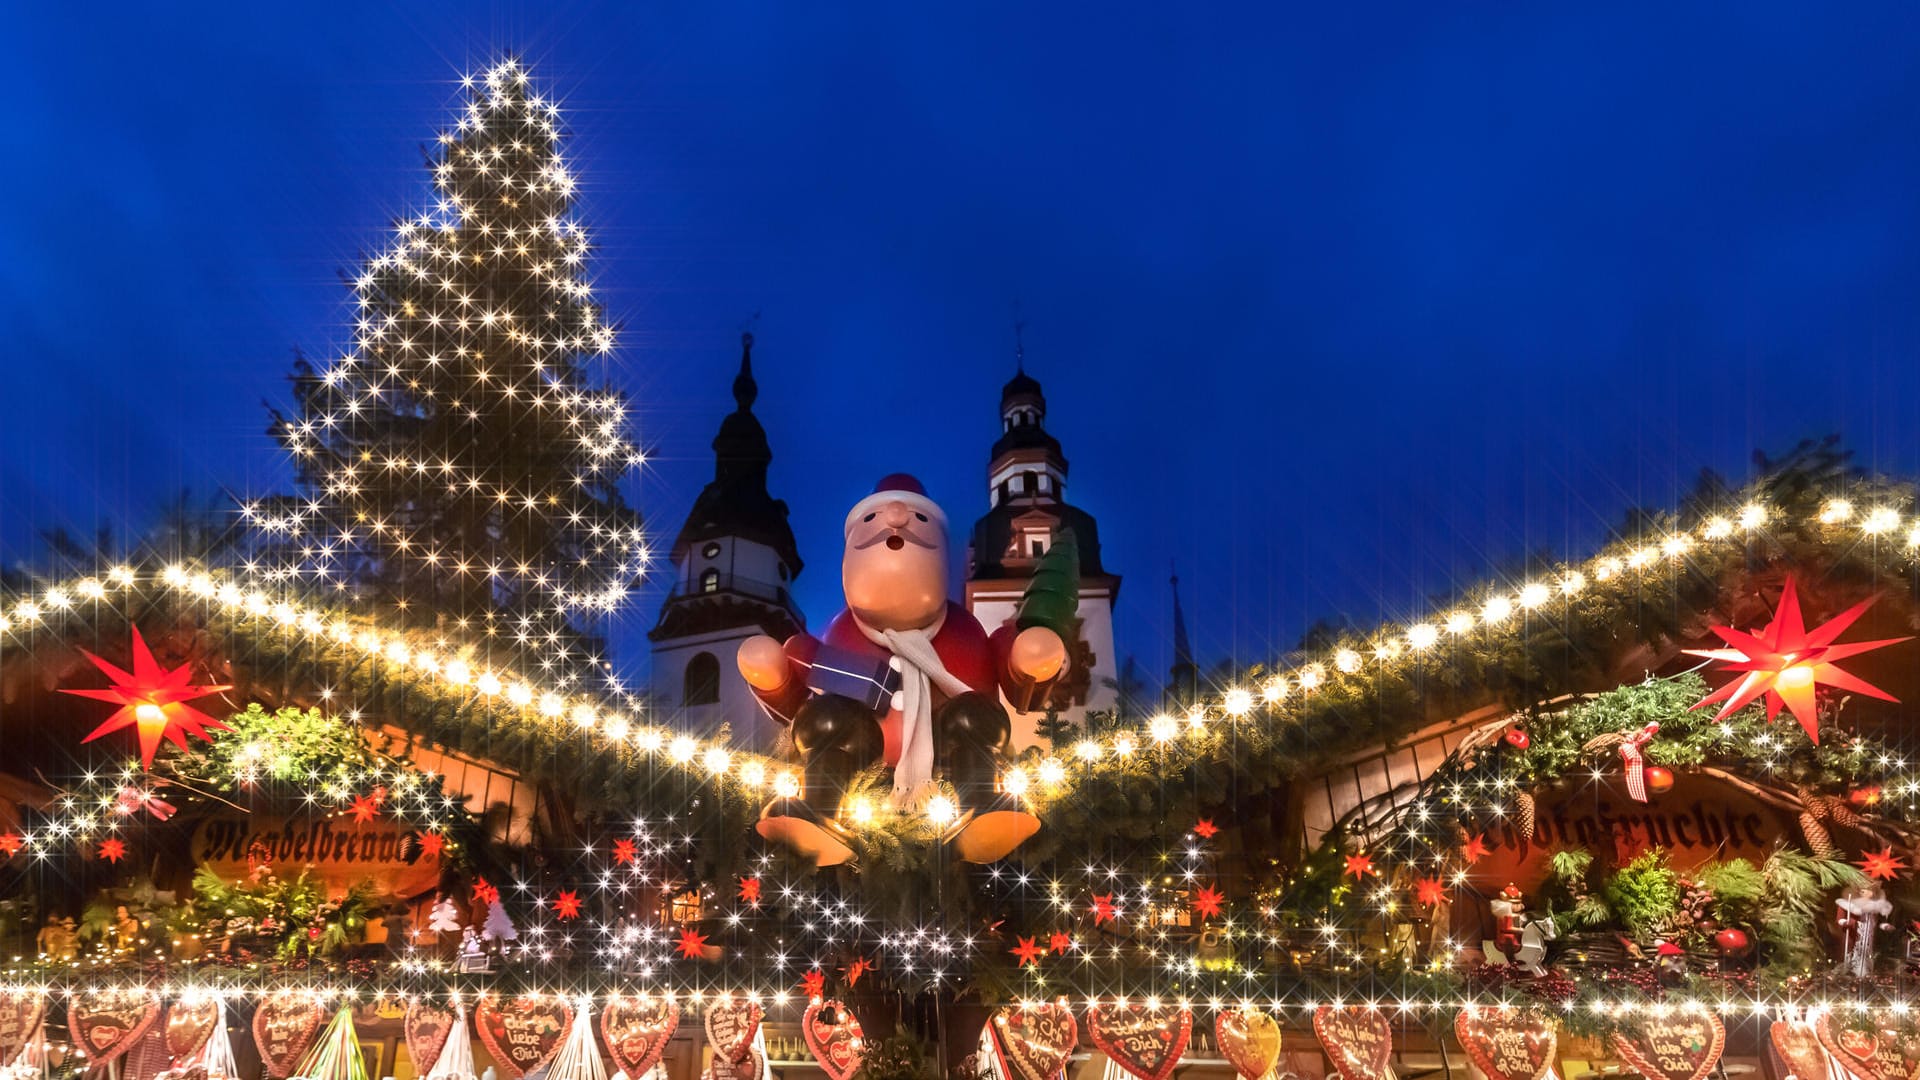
11 843
750 891
625 853
1475 848
113 849
1102 908
432 844
1884 865
1358 866
1785 662
1028 952
150 700
364 809
814 984
1059 942
566 906
1430 892
1206 902
856 969
691 942
1205 829
485 892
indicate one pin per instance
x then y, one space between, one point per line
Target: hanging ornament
106 1023
1785 663
1517 738
636 1031
1358 1039
284 1026
1659 781
1506 1044
833 1036
1797 1051
427 1027
523 1033
20 1014
1678 1046
1632 756
1249 1039
1732 942
731 1026
1146 1042
336 1056
190 1025
150 700
456 1054
1033 1042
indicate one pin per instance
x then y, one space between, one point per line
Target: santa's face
895 570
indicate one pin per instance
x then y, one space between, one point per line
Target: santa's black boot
836 737
974 734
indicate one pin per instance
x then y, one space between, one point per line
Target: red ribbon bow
1630 753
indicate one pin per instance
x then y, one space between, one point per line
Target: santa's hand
763 663
1038 654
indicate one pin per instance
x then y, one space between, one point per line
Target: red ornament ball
1659 780
1518 739
1732 942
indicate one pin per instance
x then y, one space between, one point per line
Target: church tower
734 562
1028 511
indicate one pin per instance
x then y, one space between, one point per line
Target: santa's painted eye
922 517
869 517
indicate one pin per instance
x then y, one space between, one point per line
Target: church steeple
745 390
1183 681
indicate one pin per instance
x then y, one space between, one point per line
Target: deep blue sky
1336 310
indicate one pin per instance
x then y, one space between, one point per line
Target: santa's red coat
962 644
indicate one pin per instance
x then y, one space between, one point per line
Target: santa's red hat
896 487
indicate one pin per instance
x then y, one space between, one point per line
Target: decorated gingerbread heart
106 1024
284 1026
1899 1056
189 1025
833 1035
20 1014
750 1067
1679 1046
1146 1042
1358 1040
731 1026
1249 1038
1033 1042
1506 1044
523 1033
427 1028
636 1031
1797 1050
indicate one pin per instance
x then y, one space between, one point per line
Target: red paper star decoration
1475 848
1206 902
1430 892
150 700
856 969
1102 908
11 843
364 809
113 849
624 852
1059 942
431 844
1205 828
1028 952
1785 662
1359 866
485 892
1884 865
750 891
814 984
566 906
691 942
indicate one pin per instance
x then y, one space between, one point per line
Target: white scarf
920 669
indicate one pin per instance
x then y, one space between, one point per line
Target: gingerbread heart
1034 1042
1797 1049
1146 1042
107 1023
20 1014
836 1044
1249 1038
284 1027
190 1025
523 1033
1899 1056
636 1031
1506 1044
1359 1040
747 1068
427 1028
1680 1046
731 1026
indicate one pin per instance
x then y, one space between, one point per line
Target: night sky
1337 311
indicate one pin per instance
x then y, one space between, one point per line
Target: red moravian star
814 984
1475 848
1059 941
750 891
1785 662
624 852
1102 908
10 843
485 892
566 906
1205 828
432 843
1884 865
113 850
1206 902
691 942
364 809
1028 952
150 699
1430 892
859 967
1359 866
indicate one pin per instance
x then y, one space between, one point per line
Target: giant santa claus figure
902 673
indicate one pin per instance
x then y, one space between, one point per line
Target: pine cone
1816 836
1524 813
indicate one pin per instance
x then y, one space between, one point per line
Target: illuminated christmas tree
458 468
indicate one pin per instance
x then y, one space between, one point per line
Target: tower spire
1183 681
745 390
